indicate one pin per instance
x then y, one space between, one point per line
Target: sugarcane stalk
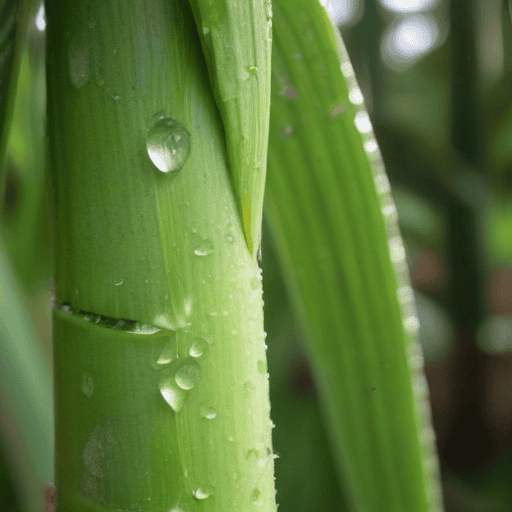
161 388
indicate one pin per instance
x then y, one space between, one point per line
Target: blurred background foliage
437 79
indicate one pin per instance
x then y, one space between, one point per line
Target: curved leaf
334 222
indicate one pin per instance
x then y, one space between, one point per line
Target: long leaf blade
13 20
345 261
236 40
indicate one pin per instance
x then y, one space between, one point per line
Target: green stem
177 419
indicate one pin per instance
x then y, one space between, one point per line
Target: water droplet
255 495
187 375
363 123
168 354
370 146
116 97
87 384
262 366
198 347
356 96
231 439
230 238
78 63
253 70
206 30
204 248
288 130
339 109
172 394
168 144
203 492
289 92
208 413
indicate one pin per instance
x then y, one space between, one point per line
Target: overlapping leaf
236 40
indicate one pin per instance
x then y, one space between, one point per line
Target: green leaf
334 223
236 40
13 21
25 393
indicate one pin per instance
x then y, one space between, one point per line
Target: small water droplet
231 439
356 96
253 70
168 144
363 122
230 238
116 97
208 413
78 63
87 384
198 347
289 92
187 375
203 492
168 354
262 366
206 30
288 130
204 248
255 495
172 394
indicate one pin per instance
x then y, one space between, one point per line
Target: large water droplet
198 347
186 375
208 413
172 394
87 384
168 144
203 492
204 248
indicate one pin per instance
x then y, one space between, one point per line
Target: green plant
157 152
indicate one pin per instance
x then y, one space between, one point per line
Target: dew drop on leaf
168 145
87 384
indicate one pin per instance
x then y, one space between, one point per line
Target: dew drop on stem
168 144
208 413
187 375
198 347
204 248
203 492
